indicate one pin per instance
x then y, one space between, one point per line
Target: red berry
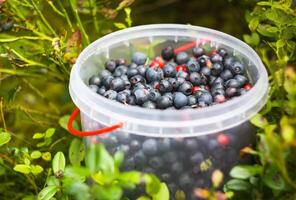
181 68
207 87
213 52
248 86
195 89
157 62
223 139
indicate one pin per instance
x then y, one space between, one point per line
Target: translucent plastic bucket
180 146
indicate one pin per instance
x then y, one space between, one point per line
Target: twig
6 40
93 10
2 114
56 142
66 16
43 18
55 9
18 72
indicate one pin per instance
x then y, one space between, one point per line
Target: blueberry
182 58
231 92
192 100
177 143
139 58
180 81
165 86
137 79
228 60
142 70
135 145
222 52
185 181
218 92
205 71
192 66
182 74
110 94
203 60
94 88
140 159
120 61
169 95
110 65
173 188
218 80
107 81
170 157
132 65
95 80
241 79
205 99
174 83
216 69
167 53
191 144
122 97
226 74
166 177
131 100
185 88
153 95
138 86
131 72
155 162
155 85
169 70
141 96
164 102
196 158
164 145
104 74
123 137
120 70
117 84
129 164
149 104
149 147
180 100
242 91
148 87
195 78
232 83
237 68
154 74
198 51
124 148
101 90
216 58
177 168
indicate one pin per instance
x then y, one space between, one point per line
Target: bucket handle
89 133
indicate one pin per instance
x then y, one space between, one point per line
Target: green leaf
36 169
130 177
47 193
5 137
273 179
120 25
91 157
52 181
245 171
76 152
46 156
38 135
163 193
58 162
49 132
63 121
259 121
252 39
118 158
237 185
152 184
254 23
35 154
25 169
112 192
105 161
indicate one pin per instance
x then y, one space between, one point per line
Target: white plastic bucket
175 128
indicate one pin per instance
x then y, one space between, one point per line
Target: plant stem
6 40
43 18
2 114
75 11
66 16
17 72
93 10
55 9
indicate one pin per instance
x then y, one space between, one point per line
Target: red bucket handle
89 133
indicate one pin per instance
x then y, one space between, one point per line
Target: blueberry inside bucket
184 95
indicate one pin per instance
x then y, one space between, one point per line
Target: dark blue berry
135 145
149 147
205 99
154 95
101 90
232 83
203 60
120 70
186 88
165 86
141 96
167 53
192 100
110 94
137 79
155 162
110 65
117 84
180 100
142 70
196 158
195 78
132 65
217 92
120 61
122 97
218 80
222 52
185 181
95 80
170 157
177 168
241 79
174 83
140 159
164 145
138 86
231 92
166 177
131 72
216 58
182 58
169 70
226 74
198 51
237 68
205 71
104 74
107 81
154 74
216 69
131 100
242 91
164 102
228 60
149 105
139 58
191 144
94 88
192 66
182 74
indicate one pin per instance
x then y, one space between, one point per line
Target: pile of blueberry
173 80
